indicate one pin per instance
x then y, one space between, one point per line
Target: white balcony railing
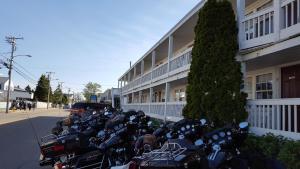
291 18
146 78
175 63
181 61
160 70
275 115
261 27
258 28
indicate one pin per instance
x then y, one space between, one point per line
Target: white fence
42 105
279 116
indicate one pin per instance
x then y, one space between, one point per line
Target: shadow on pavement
19 148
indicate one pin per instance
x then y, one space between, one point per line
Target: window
179 95
264 86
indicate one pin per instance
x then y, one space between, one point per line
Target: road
18 145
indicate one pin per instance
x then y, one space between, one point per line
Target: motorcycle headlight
222 134
101 134
215 137
169 135
199 142
181 136
228 133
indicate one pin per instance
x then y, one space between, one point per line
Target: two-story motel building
269 40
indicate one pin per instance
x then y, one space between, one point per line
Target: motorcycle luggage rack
169 151
48 138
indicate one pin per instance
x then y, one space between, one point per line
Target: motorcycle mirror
203 121
243 125
199 142
149 123
132 118
169 136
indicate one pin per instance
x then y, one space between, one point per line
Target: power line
30 78
24 69
24 77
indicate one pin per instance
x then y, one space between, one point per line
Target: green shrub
290 154
271 144
251 143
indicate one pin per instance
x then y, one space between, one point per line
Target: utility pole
11 40
73 99
49 79
69 96
62 93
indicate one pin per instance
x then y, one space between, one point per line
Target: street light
23 55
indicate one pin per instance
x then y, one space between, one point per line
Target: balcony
258 28
276 23
160 71
170 111
177 64
279 116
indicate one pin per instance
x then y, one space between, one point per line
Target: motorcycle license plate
42 157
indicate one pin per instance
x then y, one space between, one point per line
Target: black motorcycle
71 142
115 144
215 150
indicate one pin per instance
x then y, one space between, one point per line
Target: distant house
4 84
16 93
111 96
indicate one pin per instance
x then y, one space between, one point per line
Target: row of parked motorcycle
130 140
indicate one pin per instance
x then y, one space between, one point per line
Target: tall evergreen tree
41 90
57 95
215 76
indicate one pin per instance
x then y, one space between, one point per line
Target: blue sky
85 40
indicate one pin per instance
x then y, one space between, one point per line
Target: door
290 82
290 88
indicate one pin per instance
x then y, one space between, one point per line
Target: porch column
153 59
243 70
241 15
278 18
167 91
140 96
153 62
134 72
170 50
142 67
128 77
132 97
150 97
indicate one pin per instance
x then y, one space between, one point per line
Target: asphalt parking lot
19 147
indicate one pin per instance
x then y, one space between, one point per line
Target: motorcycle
114 143
218 149
71 142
